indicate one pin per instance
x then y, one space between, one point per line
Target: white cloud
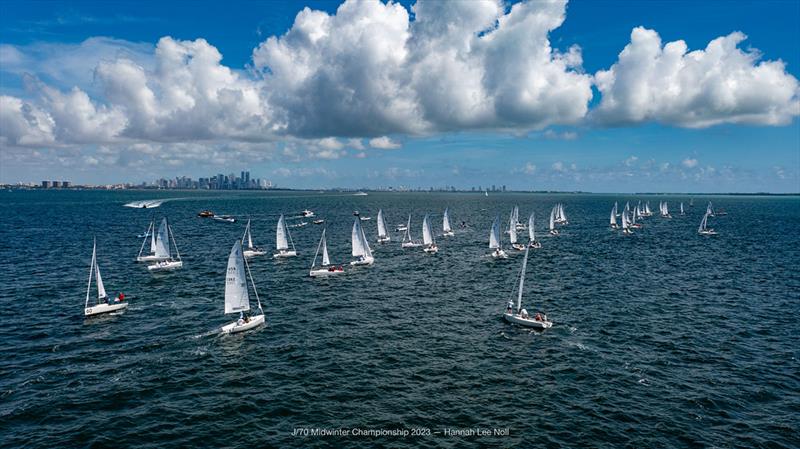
558 166
721 84
383 143
529 169
630 161
689 163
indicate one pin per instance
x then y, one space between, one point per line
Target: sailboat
647 211
360 246
626 229
151 256
427 236
383 236
494 240
408 242
632 224
613 219
682 213
283 239
103 303
520 226
710 209
704 229
512 231
532 243
251 250
691 202
237 298
162 253
560 216
520 316
665 210
448 230
326 269
553 230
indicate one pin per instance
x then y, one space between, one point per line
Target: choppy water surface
661 339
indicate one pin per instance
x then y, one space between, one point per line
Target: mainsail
281 241
236 296
512 226
446 221
494 236
522 281
427 233
531 231
381 225
162 240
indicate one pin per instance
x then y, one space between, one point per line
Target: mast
91 271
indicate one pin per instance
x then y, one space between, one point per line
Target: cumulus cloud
383 143
630 161
701 88
689 163
348 80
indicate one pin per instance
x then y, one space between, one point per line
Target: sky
602 96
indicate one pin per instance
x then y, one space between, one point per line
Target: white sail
522 280
562 213
152 231
613 218
381 225
101 289
282 242
553 219
325 259
407 235
364 242
236 297
515 216
162 240
91 272
624 220
703 223
531 228
512 228
427 233
446 221
357 241
681 208
248 236
494 235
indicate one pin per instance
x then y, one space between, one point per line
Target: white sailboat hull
253 252
284 253
433 249
499 254
104 308
707 232
235 327
527 322
411 244
449 234
151 258
324 272
535 244
553 232
166 265
518 246
364 261
384 239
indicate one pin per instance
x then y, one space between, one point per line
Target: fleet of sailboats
237 297
103 303
163 254
518 315
326 268
283 239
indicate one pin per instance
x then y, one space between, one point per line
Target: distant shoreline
353 191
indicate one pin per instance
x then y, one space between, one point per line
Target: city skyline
579 96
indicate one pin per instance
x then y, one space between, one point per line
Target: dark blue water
661 339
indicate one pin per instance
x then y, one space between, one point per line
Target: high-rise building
46 184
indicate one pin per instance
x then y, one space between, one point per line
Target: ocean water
660 339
